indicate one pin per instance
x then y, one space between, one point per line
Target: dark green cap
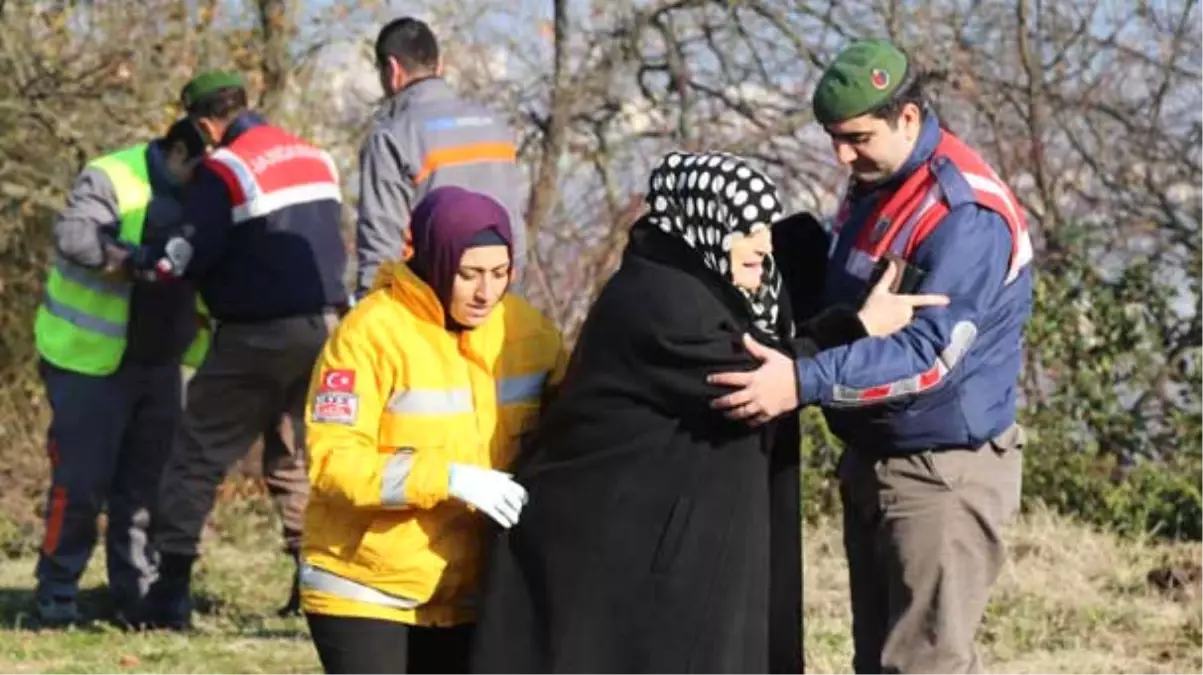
862 77
208 83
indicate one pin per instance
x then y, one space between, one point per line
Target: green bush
1110 396
1160 500
820 455
1147 499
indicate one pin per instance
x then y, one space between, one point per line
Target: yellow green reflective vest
81 323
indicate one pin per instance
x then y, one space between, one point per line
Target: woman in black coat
800 244
648 542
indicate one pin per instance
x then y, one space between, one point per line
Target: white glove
493 492
176 256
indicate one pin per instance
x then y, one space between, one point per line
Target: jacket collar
423 89
414 293
925 145
161 180
405 287
244 122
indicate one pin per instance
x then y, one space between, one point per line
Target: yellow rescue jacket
395 398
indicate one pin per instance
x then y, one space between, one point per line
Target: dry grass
1071 600
242 579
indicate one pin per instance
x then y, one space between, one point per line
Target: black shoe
293 607
125 617
168 603
58 612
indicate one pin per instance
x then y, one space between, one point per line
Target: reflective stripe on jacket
425 137
395 399
267 235
948 378
82 322
267 170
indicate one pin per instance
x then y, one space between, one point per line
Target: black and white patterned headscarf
706 198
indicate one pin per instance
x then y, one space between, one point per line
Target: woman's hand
493 492
886 312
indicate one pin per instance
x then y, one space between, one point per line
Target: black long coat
800 244
648 543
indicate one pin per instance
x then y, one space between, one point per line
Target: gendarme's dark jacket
266 229
654 539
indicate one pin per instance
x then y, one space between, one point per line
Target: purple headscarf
445 223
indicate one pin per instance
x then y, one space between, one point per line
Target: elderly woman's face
747 257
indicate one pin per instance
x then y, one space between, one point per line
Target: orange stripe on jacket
465 154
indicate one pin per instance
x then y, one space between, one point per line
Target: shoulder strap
964 177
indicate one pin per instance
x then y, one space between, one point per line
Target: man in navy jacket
268 259
932 469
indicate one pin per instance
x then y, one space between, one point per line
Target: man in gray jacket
426 136
111 338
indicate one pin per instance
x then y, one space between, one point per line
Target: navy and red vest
904 218
267 169
283 254
933 406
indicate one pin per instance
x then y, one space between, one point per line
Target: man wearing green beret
932 466
269 259
210 83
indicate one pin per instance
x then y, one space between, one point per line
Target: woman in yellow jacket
416 407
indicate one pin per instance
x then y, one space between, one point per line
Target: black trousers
354 645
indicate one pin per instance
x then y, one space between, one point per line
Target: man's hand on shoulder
762 394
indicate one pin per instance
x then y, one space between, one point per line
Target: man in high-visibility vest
111 340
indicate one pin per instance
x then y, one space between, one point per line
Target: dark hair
185 133
411 42
909 91
221 105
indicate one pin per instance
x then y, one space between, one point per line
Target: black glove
140 263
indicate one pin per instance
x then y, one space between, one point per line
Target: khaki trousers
923 536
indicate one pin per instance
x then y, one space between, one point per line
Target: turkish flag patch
338 380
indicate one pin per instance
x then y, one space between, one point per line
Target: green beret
208 83
862 77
